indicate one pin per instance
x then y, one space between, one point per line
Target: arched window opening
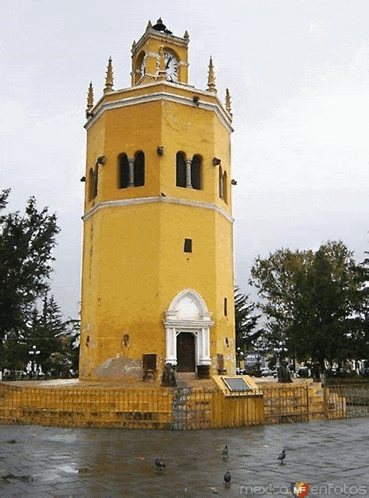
181 169
123 171
139 169
140 68
196 172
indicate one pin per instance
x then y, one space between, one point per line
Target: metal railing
161 408
286 404
351 400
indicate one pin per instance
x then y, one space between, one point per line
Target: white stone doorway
187 328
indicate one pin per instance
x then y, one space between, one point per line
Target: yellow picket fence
168 408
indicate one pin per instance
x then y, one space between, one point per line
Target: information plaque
236 384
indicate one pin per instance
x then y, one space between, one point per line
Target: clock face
171 66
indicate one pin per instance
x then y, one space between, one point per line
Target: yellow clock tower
157 277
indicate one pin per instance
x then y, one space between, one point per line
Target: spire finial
228 102
90 100
186 36
109 78
162 72
211 78
149 25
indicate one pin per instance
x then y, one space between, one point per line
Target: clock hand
168 61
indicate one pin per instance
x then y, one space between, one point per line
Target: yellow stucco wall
134 264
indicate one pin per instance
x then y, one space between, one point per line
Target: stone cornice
151 200
123 101
188 324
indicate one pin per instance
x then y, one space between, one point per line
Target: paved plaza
332 457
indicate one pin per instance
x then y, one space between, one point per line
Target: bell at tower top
160 55
159 26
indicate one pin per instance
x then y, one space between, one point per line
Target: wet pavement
332 457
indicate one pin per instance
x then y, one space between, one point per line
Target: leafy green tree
274 279
16 354
45 334
70 338
246 321
4 194
309 301
360 329
26 244
325 302
48 342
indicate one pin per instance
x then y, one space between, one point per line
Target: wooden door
186 352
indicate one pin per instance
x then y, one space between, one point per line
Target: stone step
183 378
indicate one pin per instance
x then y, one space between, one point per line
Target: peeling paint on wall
120 367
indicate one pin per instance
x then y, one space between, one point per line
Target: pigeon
227 478
225 452
282 456
159 464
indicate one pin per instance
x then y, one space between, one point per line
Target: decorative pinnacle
211 78
149 25
162 69
228 102
186 36
90 100
109 78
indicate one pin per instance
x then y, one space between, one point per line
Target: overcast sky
298 73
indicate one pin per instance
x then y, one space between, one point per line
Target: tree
360 328
48 342
4 198
273 277
326 296
71 341
26 244
15 354
245 320
309 301
45 333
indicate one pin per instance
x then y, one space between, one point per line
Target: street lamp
240 357
34 351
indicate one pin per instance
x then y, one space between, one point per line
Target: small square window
187 245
